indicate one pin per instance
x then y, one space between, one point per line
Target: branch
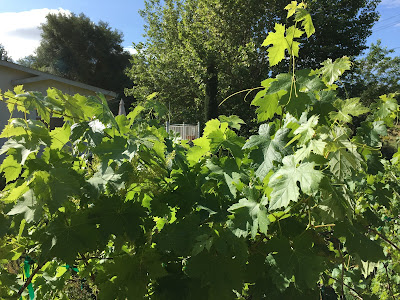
29 280
384 238
346 285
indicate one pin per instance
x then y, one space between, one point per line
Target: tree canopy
3 54
76 48
198 52
376 73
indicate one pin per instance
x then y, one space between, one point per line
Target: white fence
185 131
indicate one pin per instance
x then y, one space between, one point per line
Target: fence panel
185 131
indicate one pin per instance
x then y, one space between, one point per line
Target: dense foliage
304 209
198 52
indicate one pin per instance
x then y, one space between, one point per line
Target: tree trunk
211 103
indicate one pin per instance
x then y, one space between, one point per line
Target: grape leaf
233 121
282 40
306 130
306 21
11 168
284 182
385 108
291 8
347 108
273 148
250 215
343 160
24 148
356 242
331 71
28 206
370 133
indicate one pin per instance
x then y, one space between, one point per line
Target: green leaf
370 133
306 130
133 114
357 242
347 108
233 121
291 8
331 71
104 176
204 241
385 109
250 215
201 148
306 21
284 182
11 168
314 146
23 147
281 42
28 206
334 206
268 105
60 136
343 160
272 147
65 238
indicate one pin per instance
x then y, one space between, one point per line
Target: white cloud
391 3
131 50
19 32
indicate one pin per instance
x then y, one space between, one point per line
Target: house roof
41 76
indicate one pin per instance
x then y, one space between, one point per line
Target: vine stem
384 238
388 279
242 91
30 278
326 225
346 285
342 279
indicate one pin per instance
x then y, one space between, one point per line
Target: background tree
4 54
376 73
198 52
76 48
27 61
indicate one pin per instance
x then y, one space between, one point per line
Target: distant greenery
4 54
376 73
199 52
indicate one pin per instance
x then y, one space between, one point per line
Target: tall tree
3 54
198 52
76 48
375 74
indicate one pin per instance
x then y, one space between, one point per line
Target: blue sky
19 20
